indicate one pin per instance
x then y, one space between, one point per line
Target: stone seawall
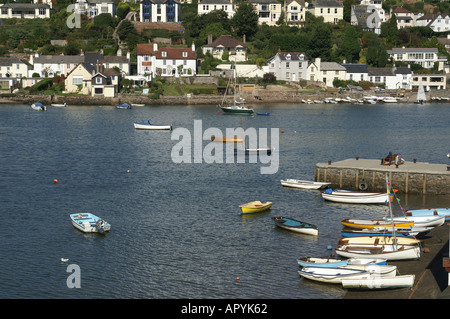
252 94
370 175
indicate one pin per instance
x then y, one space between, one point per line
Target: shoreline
274 94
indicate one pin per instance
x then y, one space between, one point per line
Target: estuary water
177 232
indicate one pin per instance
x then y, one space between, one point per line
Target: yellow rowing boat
255 207
372 223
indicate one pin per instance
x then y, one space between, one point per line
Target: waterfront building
426 57
79 80
207 6
12 71
429 81
268 11
356 72
391 78
105 83
24 11
237 50
330 10
404 17
325 72
165 61
288 66
160 11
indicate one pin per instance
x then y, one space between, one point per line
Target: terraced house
160 11
288 66
268 11
331 10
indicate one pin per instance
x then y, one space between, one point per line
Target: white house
436 22
93 8
24 11
331 10
288 66
356 72
325 72
392 78
369 15
207 6
152 61
426 57
160 11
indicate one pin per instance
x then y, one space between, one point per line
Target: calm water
176 228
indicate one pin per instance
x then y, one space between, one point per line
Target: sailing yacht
238 107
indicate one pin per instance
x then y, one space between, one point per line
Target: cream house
79 80
325 72
24 11
207 6
237 50
268 11
331 10
295 11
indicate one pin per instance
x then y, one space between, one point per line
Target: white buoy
64 260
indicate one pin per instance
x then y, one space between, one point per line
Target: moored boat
335 262
89 223
297 183
442 211
353 197
337 274
227 139
386 231
379 240
254 207
405 281
422 221
59 104
255 151
38 106
262 113
296 225
388 252
148 126
372 223
123 106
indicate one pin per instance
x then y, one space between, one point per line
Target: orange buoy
237 278
55 181
282 131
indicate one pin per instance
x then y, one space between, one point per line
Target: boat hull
405 281
236 110
255 207
334 262
443 211
423 221
143 126
388 252
296 225
379 240
89 223
337 274
373 223
355 197
297 183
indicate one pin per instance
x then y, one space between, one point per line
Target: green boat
238 107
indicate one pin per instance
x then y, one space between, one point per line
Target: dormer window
185 54
164 53
288 57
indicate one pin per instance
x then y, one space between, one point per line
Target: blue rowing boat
296 225
430 212
262 113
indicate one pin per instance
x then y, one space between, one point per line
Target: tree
320 43
376 53
389 31
350 46
348 9
245 20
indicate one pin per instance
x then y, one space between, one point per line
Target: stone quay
370 175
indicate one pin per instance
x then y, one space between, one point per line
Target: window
98 80
185 54
77 80
164 53
287 65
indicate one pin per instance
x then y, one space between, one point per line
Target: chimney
193 46
97 66
209 38
155 46
243 38
81 52
128 55
119 52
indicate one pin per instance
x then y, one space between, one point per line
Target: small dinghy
337 274
298 183
430 212
254 207
123 106
379 240
147 126
353 197
38 106
336 262
372 223
296 225
89 223
406 281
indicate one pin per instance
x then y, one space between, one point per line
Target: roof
292 56
331 66
25 5
356 68
58 59
214 2
401 10
403 70
381 72
227 41
171 53
10 61
412 50
326 3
